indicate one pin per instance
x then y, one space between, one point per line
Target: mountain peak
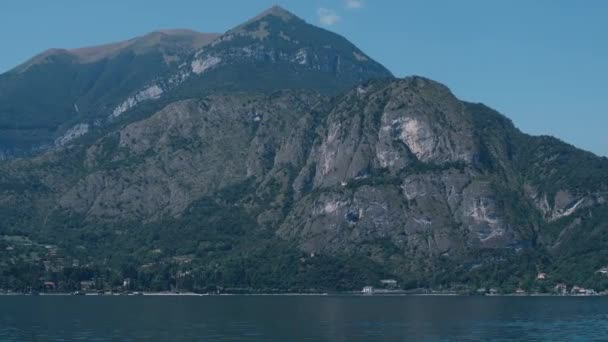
276 39
276 11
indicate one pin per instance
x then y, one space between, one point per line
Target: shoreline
293 294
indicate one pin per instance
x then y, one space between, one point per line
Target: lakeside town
390 286
384 288
61 274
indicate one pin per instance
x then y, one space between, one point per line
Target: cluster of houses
562 289
388 285
85 286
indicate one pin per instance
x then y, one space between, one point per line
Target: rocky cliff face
187 150
397 161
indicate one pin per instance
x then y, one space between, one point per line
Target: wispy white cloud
354 4
327 16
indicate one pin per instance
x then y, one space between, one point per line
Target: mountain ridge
94 53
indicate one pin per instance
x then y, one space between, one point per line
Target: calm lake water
300 318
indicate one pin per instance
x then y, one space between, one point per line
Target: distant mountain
243 176
61 94
171 43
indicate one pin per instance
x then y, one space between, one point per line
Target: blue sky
543 63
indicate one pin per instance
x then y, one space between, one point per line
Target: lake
302 318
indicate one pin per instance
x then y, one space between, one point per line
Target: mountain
61 94
288 186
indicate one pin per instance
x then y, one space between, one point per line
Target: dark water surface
302 318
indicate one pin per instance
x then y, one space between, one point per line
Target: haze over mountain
280 156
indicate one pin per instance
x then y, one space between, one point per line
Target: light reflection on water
302 318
